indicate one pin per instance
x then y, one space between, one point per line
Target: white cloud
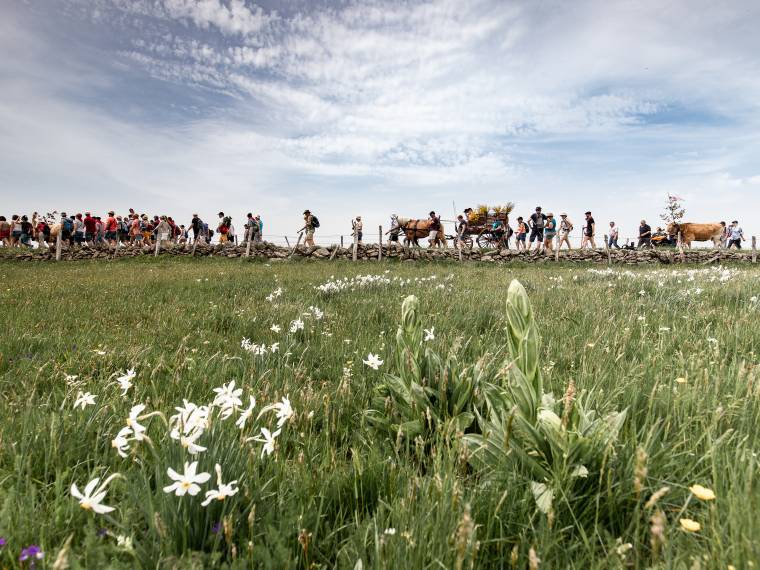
402 104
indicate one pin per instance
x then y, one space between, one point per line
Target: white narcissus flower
296 326
125 381
84 399
225 489
188 482
430 334
275 347
121 441
268 439
246 414
188 442
132 422
228 399
373 361
284 411
94 493
275 328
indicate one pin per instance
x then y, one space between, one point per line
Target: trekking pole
607 249
754 249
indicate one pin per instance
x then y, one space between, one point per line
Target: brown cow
697 232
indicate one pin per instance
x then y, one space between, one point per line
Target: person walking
463 228
260 235
613 237
435 228
5 232
394 231
311 223
111 228
645 235
726 235
357 227
565 227
231 234
90 227
736 236
522 234
550 232
536 223
589 231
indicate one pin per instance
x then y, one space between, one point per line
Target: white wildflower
187 482
224 489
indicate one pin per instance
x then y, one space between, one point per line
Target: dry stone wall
367 253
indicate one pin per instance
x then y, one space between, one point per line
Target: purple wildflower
102 532
216 528
2 542
31 553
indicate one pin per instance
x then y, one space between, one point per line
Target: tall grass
677 350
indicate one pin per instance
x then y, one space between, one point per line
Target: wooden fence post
680 247
158 244
59 238
341 242
356 244
754 249
607 249
248 245
556 253
380 244
295 247
334 251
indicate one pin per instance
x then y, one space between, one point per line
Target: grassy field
579 454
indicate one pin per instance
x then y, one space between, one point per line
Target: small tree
674 210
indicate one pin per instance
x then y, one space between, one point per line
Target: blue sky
375 108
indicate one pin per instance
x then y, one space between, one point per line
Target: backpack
314 221
68 225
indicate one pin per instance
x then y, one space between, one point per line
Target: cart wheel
467 241
484 241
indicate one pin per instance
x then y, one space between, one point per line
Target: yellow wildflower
690 525
702 493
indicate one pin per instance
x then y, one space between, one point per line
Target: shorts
549 235
536 234
735 242
521 237
222 238
394 236
110 235
433 235
79 237
16 234
310 233
146 234
359 236
138 237
88 236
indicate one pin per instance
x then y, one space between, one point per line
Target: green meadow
594 419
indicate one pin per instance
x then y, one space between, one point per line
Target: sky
372 108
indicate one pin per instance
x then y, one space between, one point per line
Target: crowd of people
540 232
130 229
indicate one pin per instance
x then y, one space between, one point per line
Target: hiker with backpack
311 223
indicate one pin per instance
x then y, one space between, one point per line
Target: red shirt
110 224
90 224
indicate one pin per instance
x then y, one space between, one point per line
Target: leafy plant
427 393
556 441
